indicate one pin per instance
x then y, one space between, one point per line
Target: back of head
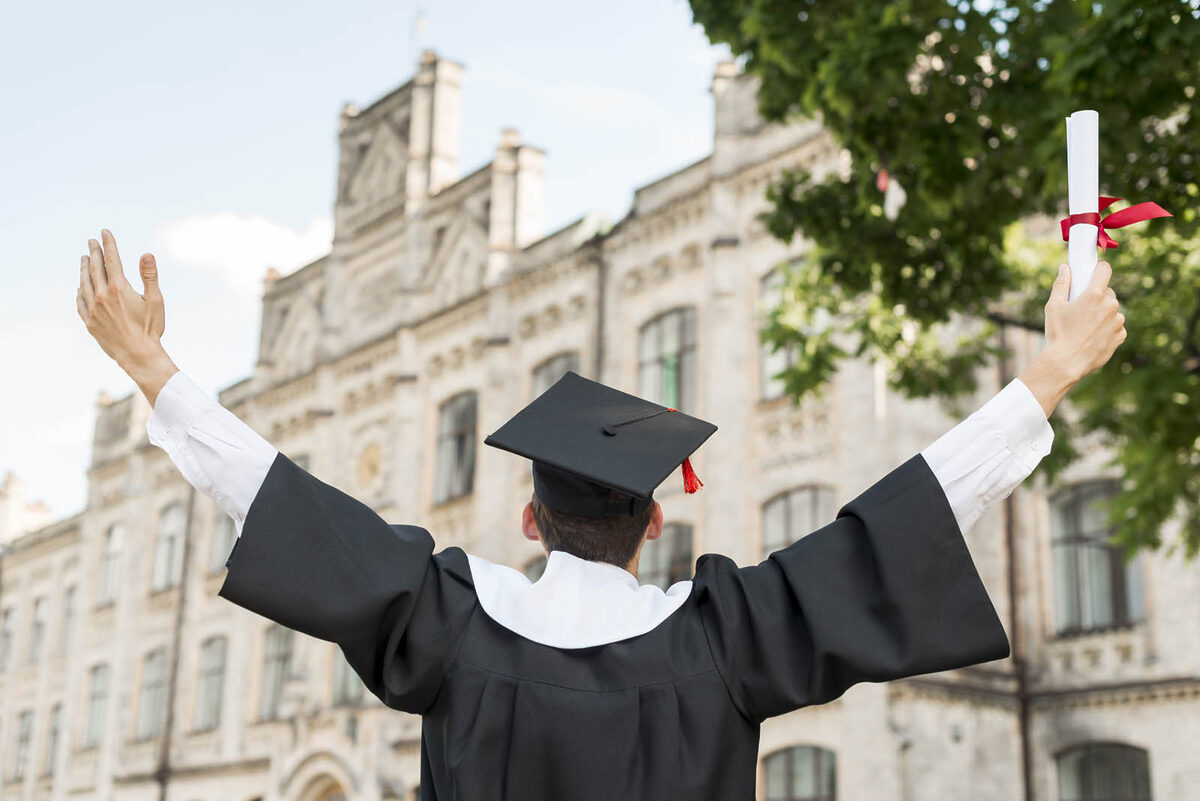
614 540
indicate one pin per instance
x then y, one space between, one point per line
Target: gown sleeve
314 559
887 590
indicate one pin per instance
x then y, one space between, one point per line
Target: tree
964 103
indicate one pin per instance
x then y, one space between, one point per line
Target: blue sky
206 133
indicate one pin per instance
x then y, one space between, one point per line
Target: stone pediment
458 262
379 175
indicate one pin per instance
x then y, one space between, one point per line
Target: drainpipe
601 283
1020 666
163 773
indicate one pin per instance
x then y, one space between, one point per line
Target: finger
80 306
85 282
112 259
148 268
1100 277
96 267
1062 285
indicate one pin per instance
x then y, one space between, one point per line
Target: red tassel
691 482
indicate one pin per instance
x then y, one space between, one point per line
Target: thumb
149 271
1062 285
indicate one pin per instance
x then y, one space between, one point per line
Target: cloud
239 249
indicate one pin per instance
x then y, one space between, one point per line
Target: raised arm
216 452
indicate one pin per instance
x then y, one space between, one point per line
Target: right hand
1085 332
127 325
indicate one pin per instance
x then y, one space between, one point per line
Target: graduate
585 685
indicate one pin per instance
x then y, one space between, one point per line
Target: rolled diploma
1083 193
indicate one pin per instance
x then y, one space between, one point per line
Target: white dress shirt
980 460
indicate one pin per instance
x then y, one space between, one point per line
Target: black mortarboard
586 438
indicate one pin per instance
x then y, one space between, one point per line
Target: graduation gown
884 591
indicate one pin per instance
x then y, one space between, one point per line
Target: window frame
675 546
824 763
451 480
167 571
819 493
1098 754
96 705
53 733
37 629
1073 554
551 369
210 683
652 370
278 651
109 582
348 688
152 696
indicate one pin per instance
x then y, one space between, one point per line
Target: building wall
437 285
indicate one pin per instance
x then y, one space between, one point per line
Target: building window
52 734
224 534
110 564
801 773
277 665
152 706
1094 588
455 448
347 687
6 637
795 513
667 360
168 548
21 748
554 368
772 362
37 632
534 568
1103 772
210 684
97 703
68 620
668 559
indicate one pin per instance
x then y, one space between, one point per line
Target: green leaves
963 104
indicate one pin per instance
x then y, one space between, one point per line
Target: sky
206 133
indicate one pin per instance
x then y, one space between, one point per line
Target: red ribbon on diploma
1118 219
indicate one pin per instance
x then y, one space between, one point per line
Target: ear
529 524
654 529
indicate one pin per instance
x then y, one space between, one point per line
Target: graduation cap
587 439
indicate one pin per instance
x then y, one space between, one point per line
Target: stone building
443 307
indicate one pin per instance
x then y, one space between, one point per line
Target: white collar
575 603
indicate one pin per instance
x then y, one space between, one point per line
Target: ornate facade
442 308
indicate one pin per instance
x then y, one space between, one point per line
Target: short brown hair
614 540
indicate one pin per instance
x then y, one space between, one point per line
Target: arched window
667 559
152 705
277 665
1103 772
791 515
1094 588
554 368
168 548
110 564
210 684
535 567
667 359
455 467
800 773
97 706
37 632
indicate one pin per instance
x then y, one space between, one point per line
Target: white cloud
239 249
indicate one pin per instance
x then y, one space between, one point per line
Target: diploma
1083 193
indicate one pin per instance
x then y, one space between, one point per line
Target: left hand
125 324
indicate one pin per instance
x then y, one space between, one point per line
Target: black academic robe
886 590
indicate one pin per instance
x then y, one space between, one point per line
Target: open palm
123 322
